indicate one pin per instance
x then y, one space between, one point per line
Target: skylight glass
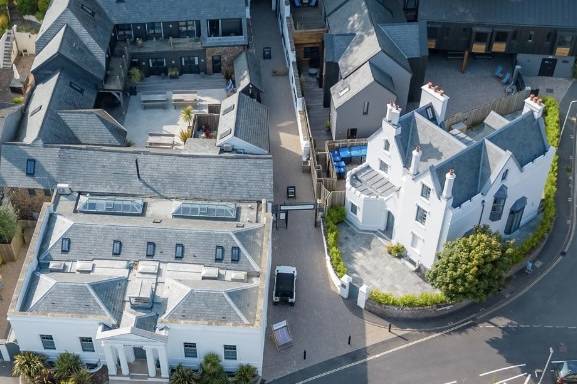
225 211
111 206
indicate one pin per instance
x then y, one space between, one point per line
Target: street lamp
546 365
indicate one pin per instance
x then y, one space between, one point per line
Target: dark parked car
566 372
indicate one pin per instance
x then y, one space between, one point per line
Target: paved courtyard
477 86
369 263
549 86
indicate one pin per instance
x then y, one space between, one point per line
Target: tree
212 370
8 223
67 365
45 376
245 374
473 266
183 375
27 7
29 365
187 114
80 377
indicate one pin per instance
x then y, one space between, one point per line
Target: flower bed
335 216
425 299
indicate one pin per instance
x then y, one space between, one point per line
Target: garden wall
389 311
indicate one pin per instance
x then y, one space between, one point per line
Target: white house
145 282
422 185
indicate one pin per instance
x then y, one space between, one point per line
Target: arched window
498 204
515 215
387 145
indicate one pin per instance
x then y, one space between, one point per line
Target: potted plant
245 374
396 250
328 125
173 72
135 76
9 245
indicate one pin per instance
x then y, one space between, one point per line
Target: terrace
153 117
308 18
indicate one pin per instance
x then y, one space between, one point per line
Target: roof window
116 247
223 211
150 249
35 110
111 206
76 87
87 9
65 245
30 167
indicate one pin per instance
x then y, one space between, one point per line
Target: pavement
503 340
321 322
368 262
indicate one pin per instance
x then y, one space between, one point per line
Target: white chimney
449 181
63 189
534 104
393 113
436 96
415 160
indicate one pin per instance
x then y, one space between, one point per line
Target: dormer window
116 247
65 245
179 251
30 167
387 145
150 249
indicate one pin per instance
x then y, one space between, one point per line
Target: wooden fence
503 106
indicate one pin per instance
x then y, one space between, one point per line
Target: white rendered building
421 185
145 282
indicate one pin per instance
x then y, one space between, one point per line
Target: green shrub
27 7
135 74
4 21
552 129
8 223
396 250
17 100
425 299
335 216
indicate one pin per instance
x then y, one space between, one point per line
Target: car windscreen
284 284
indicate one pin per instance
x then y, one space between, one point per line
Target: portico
119 347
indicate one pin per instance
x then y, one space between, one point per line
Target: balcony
221 41
308 18
163 45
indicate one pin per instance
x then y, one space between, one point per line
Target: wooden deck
318 115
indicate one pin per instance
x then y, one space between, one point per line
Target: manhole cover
549 90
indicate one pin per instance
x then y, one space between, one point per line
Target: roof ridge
235 308
99 300
38 299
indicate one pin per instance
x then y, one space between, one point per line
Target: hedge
552 129
425 299
335 216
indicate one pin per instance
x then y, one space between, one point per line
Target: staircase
7 49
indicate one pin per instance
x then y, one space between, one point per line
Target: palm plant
183 375
245 374
185 134
28 365
67 365
187 114
81 377
212 370
45 376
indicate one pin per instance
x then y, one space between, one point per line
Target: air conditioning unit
227 147
63 189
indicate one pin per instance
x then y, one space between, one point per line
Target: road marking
384 353
501 369
527 379
452 382
511 378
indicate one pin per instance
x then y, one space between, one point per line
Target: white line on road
501 369
376 356
511 378
527 379
452 382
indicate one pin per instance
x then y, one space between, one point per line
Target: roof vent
56 266
238 276
150 267
240 225
209 273
157 221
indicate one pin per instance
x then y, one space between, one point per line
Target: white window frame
355 210
384 166
421 213
425 187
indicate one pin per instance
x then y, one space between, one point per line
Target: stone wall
389 311
227 54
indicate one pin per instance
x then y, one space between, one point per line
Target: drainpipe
482 210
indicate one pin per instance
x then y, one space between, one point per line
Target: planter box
389 311
10 251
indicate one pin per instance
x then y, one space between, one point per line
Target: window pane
425 191
86 344
214 28
30 167
65 244
235 254
421 216
179 252
219 253
47 342
150 248
230 352
231 27
116 247
190 350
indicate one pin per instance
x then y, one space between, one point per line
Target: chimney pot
448 187
416 159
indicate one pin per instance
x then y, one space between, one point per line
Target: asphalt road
507 343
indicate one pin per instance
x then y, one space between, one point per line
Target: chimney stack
393 113
449 181
534 104
415 160
433 94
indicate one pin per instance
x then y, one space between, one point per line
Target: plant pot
9 251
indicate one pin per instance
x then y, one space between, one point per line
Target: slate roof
41 123
72 293
535 13
113 170
436 143
366 75
141 11
336 45
247 120
371 183
88 21
410 38
94 126
68 44
90 241
523 138
247 71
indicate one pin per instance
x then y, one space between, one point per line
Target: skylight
343 91
111 206
228 109
225 134
224 211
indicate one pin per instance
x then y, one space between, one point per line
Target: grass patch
425 299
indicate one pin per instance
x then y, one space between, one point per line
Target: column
123 361
130 354
150 361
163 362
110 360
